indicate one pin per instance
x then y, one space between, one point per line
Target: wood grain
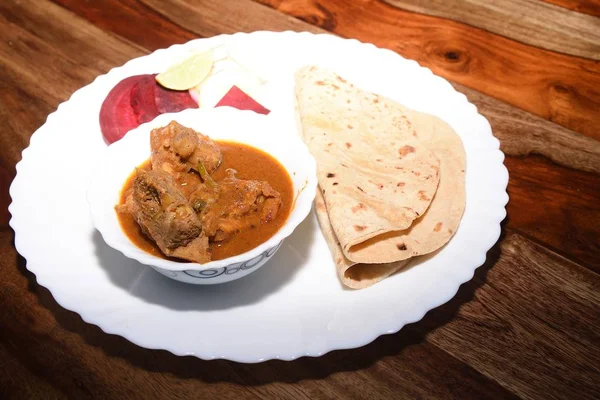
131 20
591 7
560 88
44 71
17 382
535 307
525 21
209 18
521 133
557 207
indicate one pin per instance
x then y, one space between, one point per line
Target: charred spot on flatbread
359 206
406 150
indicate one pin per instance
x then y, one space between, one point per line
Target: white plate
294 306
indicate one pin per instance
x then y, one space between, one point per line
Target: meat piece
164 214
177 150
234 205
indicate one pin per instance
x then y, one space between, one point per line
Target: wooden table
527 325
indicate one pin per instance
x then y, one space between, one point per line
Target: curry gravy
250 163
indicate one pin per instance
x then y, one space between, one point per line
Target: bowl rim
302 204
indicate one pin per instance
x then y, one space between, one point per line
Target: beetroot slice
116 114
142 99
135 100
238 99
168 101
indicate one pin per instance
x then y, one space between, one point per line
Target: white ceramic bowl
223 123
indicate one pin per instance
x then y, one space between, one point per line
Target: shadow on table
143 282
189 367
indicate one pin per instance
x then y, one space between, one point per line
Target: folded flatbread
439 223
354 275
392 179
375 174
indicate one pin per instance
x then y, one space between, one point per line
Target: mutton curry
199 200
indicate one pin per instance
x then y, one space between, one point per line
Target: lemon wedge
188 73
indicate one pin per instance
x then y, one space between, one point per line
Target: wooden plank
17 382
131 20
531 322
39 22
30 55
559 88
209 18
591 7
556 206
525 21
521 133
22 114
396 366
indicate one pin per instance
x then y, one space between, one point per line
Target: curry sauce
250 164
